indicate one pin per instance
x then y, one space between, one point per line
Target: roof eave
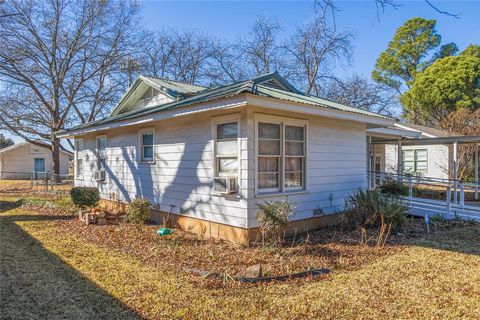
284 105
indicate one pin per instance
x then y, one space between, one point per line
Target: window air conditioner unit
100 175
225 185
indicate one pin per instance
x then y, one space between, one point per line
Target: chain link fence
42 181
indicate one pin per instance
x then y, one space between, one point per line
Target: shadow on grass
36 284
455 236
9 205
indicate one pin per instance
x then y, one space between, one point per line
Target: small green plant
369 208
85 197
138 211
273 217
394 187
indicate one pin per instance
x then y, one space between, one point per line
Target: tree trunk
56 158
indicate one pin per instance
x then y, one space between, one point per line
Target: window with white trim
101 150
147 145
79 158
415 160
226 149
280 156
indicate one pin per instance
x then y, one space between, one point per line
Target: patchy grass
52 266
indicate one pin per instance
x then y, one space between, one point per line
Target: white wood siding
181 176
183 172
336 165
437 159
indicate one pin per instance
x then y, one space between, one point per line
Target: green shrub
273 217
394 187
85 197
138 211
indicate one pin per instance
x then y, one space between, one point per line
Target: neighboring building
433 160
22 159
209 156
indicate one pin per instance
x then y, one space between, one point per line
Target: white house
209 156
22 159
430 160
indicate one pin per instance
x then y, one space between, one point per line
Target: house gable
149 92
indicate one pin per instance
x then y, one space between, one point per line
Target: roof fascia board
125 97
278 104
168 92
120 105
406 127
280 80
226 103
392 133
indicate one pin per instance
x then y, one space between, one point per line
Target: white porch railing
449 207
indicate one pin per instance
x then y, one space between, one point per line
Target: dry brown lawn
53 267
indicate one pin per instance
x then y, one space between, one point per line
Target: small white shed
22 159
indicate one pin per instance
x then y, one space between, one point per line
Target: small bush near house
85 197
273 217
138 211
369 208
394 187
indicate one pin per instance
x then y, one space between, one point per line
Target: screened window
226 147
146 139
281 157
415 160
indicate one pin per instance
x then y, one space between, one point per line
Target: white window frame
97 149
79 156
282 121
141 132
215 121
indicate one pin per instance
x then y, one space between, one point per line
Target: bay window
280 156
226 149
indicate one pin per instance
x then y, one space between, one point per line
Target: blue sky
231 19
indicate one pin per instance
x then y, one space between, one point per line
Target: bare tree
59 64
358 92
463 122
314 48
190 55
261 49
157 53
328 7
226 64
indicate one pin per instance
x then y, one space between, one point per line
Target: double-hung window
415 160
226 149
101 152
147 146
281 152
79 158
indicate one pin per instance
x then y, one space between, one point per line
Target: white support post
370 176
447 204
455 164
399 159
462 196
476 170
410 190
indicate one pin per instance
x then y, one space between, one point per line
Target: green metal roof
179 87
266 91
260 86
